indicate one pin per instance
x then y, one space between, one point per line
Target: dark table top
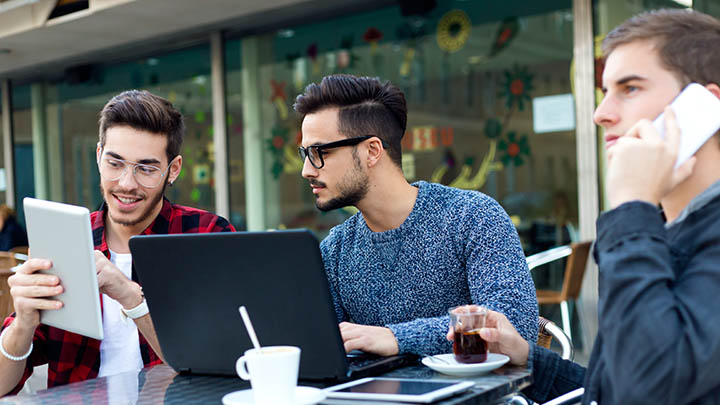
161 385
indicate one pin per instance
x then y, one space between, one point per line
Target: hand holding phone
698 117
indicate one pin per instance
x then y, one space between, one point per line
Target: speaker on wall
416 7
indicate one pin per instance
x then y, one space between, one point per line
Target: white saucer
303 396
438 363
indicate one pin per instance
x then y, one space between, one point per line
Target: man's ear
98 152
714 89
175 168
375 151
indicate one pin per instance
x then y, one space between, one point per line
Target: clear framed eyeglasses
112 169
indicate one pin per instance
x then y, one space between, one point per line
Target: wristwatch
137 312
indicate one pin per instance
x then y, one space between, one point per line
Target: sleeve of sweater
497 277
497 271
330 250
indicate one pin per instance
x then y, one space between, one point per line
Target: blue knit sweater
456 247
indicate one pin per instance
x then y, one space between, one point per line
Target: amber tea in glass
466 322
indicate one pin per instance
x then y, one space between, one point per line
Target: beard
143 215
352 188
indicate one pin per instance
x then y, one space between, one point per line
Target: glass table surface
162 385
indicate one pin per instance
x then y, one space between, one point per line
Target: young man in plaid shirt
138 157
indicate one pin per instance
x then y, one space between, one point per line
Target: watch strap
137 312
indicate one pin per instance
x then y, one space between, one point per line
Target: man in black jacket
659 279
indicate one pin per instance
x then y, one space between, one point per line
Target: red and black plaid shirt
72 357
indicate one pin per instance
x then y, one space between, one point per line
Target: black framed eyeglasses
315 152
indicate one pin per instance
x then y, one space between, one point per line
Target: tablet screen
397 387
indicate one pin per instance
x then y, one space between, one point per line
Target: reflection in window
3 177
183 77
471 73
23 145
236 169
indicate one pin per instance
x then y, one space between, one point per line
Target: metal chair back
547 330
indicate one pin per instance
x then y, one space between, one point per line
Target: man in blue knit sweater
414 250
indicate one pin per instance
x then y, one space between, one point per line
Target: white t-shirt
120 349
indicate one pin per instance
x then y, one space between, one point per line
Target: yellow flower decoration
453 30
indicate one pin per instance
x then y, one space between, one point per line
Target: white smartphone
398 389
698 117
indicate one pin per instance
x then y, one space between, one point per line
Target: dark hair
6 212
687 42
144 111
366 105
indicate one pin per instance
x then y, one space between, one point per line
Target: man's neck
705 173
388 203
117 236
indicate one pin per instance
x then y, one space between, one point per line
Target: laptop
194 284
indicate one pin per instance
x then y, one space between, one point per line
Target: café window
73 107
490 103
23 147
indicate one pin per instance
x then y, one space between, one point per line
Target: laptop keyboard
366 364
358 362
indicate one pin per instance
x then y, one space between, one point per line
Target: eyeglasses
315 152
149 176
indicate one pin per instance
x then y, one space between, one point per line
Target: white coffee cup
273 373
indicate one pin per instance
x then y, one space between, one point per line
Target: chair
547 330
577 255
570 398
20 252
20 249
7 261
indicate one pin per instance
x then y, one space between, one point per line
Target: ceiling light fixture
286 33
685 3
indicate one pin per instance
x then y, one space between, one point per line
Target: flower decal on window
453 31
514 149
517 86
372 36
276 145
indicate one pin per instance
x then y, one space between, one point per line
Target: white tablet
62 233
398 389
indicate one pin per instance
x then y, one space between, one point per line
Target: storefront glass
3 177
73 107
490 105
234 105
711 7
23 143
607 15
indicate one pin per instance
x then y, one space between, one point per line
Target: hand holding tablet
60 279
